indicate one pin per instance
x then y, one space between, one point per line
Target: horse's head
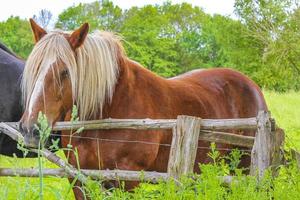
65 69
47 85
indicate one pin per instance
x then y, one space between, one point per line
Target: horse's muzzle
31 136
31 141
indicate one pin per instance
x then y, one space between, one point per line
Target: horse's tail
260 99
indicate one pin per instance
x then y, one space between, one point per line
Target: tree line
263 41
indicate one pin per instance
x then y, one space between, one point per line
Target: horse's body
11 69
137 93
209 94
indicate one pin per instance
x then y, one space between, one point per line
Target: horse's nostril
35 132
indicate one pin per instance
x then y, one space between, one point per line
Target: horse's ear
38 31
78 36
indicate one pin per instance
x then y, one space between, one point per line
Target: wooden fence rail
209 127
186 132
147 124
127 175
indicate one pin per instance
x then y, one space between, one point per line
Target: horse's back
11 69
227 93
215 94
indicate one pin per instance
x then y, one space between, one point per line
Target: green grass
28 188
285 108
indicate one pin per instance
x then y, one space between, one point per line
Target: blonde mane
93 69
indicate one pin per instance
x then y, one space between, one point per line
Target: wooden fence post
261 154
184 146
266 148
278 145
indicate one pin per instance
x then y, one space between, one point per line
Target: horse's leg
130 185
78 190
125 164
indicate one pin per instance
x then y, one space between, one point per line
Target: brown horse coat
209 93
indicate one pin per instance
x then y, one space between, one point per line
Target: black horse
11 69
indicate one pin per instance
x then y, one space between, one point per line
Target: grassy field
28 188
285 109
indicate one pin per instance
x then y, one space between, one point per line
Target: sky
27 8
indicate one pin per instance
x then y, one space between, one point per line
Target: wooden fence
187 130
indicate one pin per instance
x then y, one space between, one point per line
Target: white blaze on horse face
38 89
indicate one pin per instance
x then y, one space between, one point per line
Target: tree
145 32
273 26
16 34
102 15
185 27
170 39
43 18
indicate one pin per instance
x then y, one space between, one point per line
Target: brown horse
92 71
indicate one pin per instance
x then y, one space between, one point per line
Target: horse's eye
64 73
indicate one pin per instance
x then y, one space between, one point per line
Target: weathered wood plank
208 135
140 124
11 132
145 124
277 150
153 177
233 124
69 169
184 146
261 156
227 138
209 131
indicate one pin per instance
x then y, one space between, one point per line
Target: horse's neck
132 79
10 61
7 50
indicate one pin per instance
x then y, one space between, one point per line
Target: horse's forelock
50 48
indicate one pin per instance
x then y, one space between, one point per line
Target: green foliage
285 109
43 129
273 27
99 14
170 39
175 38
209 185
16 34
